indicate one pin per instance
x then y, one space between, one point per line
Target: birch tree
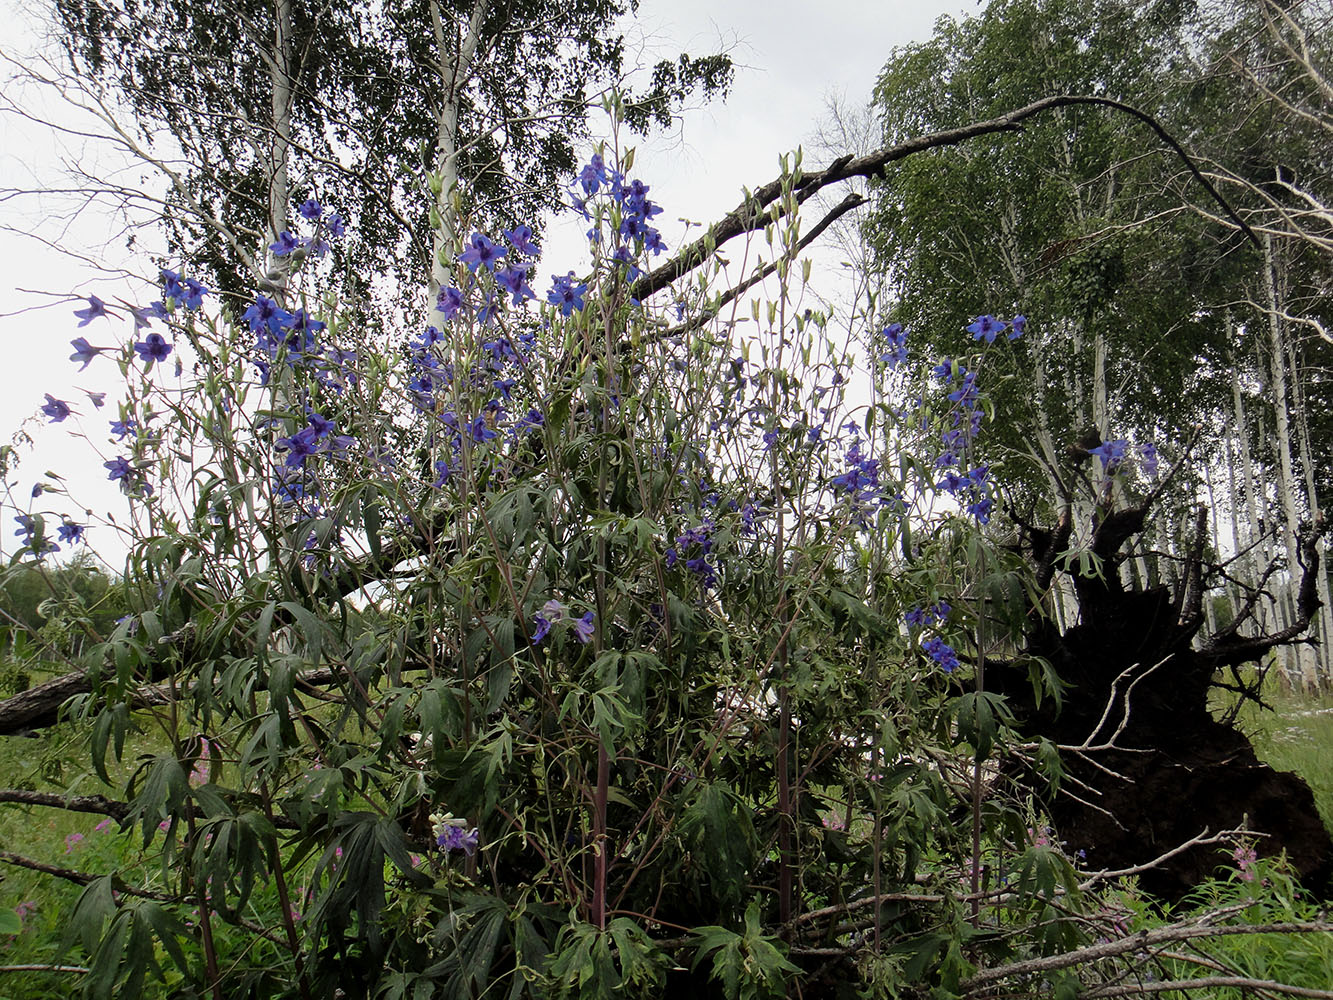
249 108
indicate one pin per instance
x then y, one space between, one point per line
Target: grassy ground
1296 736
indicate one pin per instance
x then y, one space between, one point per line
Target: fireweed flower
153 348
96 307
56 409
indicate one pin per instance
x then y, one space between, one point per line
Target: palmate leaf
718 827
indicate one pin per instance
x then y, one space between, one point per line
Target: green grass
1297 736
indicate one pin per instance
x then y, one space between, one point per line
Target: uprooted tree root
1146 765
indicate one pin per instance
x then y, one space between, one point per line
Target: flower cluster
987 328
860 481
452 834
919 617
969 485
553 611
316 245
894 352
631 206
694 548
1114 455
318 436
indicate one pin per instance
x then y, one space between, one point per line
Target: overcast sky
789 58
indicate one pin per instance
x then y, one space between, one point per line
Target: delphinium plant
576 645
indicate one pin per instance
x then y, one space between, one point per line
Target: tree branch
752 214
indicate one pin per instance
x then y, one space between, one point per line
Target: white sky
791 56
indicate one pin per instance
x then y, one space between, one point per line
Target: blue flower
84 351
70 533
593 175
299 446
144 315
118 468
98 399
171 284
153 348
515 281
194 293
986 328
565 294
449 302
1149 453
552 611
96 307
27 528
1019 327
1111 453
583 628
481 253
56 409
336 225
285 244
520 238
896 335
442 473
311 210
451 836
543 628
942 653
122 429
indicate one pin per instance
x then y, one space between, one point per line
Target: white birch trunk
457 45
279 180
1286 472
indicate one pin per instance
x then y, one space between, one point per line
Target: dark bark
1152 766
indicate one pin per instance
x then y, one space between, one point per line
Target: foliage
312 100
592 649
